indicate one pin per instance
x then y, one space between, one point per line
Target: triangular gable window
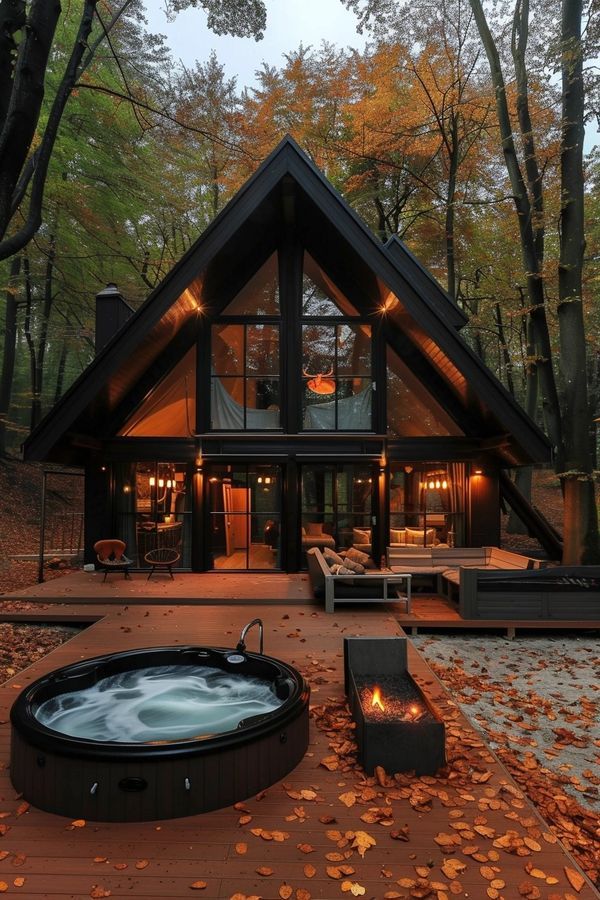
170 408
411 409
320 296
260 295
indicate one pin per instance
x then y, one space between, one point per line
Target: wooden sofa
447 567
372 587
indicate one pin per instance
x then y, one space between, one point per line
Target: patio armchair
110 554
162 559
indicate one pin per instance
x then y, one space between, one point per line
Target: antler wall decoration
321 382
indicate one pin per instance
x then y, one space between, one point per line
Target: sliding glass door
244 516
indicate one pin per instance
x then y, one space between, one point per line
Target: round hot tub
157 733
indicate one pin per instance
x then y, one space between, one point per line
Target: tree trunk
450 242
10 346
60 372
525 216
581 520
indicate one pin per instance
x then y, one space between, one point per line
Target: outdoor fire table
396 726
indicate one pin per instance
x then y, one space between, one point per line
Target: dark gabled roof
423 279
433 316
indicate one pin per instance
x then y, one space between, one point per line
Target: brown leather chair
110 554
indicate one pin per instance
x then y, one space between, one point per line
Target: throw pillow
314 529
355 567
361 536
332 557
398 535
357 556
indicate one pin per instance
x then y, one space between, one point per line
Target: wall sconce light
103 468
259 479
126 488
213 480
478 472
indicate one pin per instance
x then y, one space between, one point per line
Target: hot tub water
159 703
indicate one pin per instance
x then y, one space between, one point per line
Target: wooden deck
165 859
429 611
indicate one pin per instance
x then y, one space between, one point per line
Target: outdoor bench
447 564
372 587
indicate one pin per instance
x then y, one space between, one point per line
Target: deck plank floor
58 859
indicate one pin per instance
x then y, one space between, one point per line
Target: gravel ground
537 698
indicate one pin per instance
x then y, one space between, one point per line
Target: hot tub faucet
241 646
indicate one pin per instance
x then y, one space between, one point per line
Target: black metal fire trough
406 734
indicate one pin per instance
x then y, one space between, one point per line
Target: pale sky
289 22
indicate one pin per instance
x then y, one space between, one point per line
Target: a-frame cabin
291 383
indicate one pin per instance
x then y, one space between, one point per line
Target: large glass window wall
153 509
427 504
337 506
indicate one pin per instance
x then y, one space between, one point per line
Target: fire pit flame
377 701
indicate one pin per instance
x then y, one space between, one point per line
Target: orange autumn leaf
576 880
3 886
303 894
120 866
285 891
97 892
22 808
4 829
78 823
198 885
278 836
241 848
348 799
265 871
142 863
362 842
356 889
305 848
19 882
309 871
19 859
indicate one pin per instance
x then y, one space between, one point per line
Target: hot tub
157 733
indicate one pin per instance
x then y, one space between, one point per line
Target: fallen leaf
285 891
356 889
309 871
22 808
362 842
348 799
198 885
241 848
99 859
19 859
3 886
97 891
120 866
303 894
19 882
305 848
264 870
576 880
142 863
78 823
244 820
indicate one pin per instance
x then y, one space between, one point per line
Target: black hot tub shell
131 782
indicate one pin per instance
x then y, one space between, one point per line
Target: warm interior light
152 481
414 710
161 482
431 485
377 701
268 479
444 484
259 479
213 479
321 383
479 471
438 484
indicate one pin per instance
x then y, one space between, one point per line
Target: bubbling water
159 703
